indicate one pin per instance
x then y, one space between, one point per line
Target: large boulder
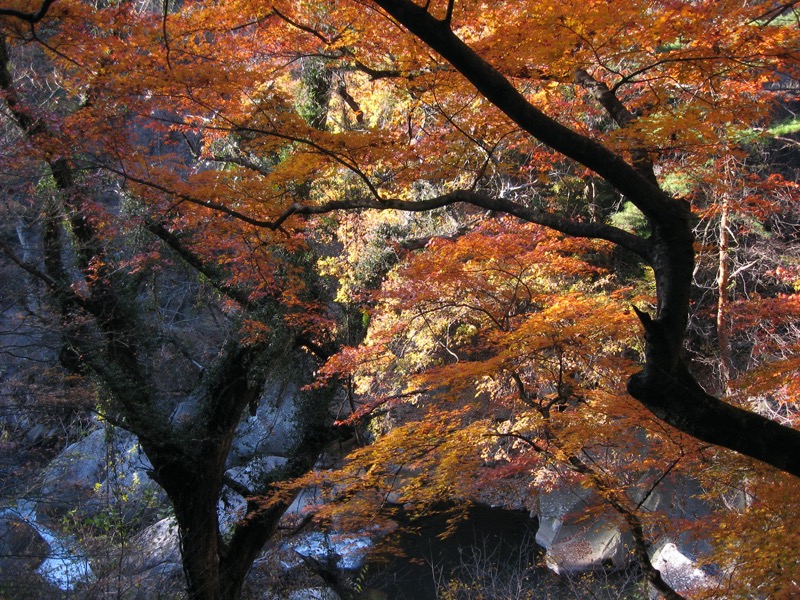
151 566
271 430
232 504
678 570
679 498
21 546
580 532
316 593
578 536
105 470
35 561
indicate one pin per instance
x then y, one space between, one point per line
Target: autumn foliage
498 196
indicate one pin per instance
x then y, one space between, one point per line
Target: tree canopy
523 238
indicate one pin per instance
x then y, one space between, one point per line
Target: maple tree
230 126
112 270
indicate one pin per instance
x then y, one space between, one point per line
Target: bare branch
633 243
498 90
607 98
25 266
378 73
351 102
448 17
300 26
773 13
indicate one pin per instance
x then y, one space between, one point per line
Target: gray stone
318 593
157 547
271 430
104 469
151 566
577 528
36 434
575 539
184 413
21 546
678 570
680 498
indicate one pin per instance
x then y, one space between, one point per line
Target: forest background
493 246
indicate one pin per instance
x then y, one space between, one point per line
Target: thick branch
594 230
602 231
351 102
621 115
679 400
665 386
31 18
375 74
174 243
31 269
647 196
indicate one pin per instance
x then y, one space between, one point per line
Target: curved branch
31 18
678 399
498 90
665 386
633 243
607 98
629 241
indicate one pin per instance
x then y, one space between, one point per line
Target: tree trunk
196 514
723 285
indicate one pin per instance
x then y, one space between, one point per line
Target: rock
232 505
151 566
156 547
575 540
589 545
677 569
21 546
184 413
344 552
36 434
319 593
578 529
677 497
69 479
105 469
306 500
256 470
271 430
25 556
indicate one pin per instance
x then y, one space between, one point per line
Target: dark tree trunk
195 506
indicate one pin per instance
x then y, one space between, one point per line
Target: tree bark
723 298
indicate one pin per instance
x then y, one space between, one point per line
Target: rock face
21 546
313 594
270 431
580 533
151 566
575 542
105 469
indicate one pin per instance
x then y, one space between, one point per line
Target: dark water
486 549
